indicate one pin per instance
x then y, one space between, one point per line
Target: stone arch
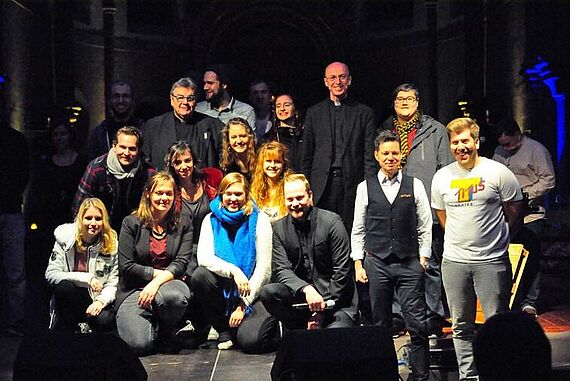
282 43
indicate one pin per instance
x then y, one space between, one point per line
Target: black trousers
334 198
279 301
529 288
406 278
257 332
72 302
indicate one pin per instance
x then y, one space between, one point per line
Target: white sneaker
213 334
224 345
530 310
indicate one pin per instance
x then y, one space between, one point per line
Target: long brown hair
261 186
176 150
108 235
229 156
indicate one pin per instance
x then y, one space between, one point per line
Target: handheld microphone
329 304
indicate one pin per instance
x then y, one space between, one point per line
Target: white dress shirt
391 187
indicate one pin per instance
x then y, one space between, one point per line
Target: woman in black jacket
155 245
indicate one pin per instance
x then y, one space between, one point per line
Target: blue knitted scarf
241 251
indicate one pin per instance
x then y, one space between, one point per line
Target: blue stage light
541 73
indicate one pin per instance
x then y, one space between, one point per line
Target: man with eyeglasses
338 145
120 114
183 123
219 101
424 145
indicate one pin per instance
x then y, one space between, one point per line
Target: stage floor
212 364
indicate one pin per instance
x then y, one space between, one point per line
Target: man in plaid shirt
117 177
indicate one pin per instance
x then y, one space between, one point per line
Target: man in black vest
391 246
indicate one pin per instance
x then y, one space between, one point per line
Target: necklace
158 231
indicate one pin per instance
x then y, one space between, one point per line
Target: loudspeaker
73 356
357 353
442 354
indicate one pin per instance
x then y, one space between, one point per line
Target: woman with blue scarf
234 257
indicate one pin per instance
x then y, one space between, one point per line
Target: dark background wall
474 51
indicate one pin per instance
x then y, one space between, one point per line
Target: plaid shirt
98 182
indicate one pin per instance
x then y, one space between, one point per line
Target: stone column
431 15
109 11
17 25
515 49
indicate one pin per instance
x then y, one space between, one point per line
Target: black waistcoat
391 228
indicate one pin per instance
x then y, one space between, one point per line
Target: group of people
237 217
196 248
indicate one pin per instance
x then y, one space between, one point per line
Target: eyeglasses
342 77
407 99
181 98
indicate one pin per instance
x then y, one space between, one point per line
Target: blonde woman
234 258
267 185
155 246
238 148
83 270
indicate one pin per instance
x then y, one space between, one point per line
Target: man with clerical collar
120 114
220 103
311 263
478 202
424 146
391 246
117 177
183 123
338 145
